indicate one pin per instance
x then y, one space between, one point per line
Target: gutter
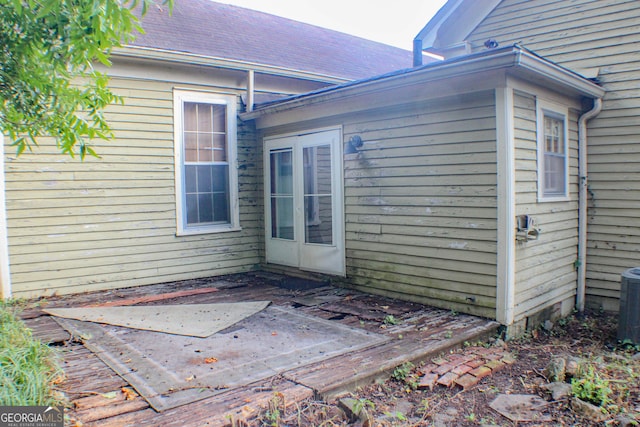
502 58
582 202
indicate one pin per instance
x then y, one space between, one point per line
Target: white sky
394 22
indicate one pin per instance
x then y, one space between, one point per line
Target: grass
28 368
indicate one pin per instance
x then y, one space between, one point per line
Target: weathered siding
420 203
584 34
111 222
545 268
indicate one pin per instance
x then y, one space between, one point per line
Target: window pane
205 145
554 175
282 218
190 182
205 118
317 170
281 172
219 175
205 207
319 229
220 207
219 118
204 179
192 208
220 148
190 147
190 116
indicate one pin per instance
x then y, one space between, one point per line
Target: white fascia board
390 82
137 52
514 59
559 75
454 22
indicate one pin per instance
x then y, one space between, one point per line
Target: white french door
304 208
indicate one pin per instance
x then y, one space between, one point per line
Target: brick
495 365
483 351
455 357
439 361
444 368
448 379
428 368
467 380
428 381
462 369
494 356
475 363
480 372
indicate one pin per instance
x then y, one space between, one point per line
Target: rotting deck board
421 332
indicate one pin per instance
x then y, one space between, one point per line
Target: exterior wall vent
629 320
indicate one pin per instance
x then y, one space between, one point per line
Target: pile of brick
464 369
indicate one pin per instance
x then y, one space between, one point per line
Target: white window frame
558 112
179 98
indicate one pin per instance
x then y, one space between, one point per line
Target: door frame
292 251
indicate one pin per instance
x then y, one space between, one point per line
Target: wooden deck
420 333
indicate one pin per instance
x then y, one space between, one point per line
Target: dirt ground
590 339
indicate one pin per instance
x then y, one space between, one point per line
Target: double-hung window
553 157
205 152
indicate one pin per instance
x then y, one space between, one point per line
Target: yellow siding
111 222
545 269
586 34
420 203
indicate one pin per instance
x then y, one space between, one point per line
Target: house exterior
597 39
443 202
147 211
460 184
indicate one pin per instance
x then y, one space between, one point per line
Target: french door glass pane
321 229
318 212
281 175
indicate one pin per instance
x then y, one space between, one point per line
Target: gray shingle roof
218 30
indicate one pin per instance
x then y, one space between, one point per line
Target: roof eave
452 25
185 58
514 58
560 75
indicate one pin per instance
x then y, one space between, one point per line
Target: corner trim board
505 295
5 272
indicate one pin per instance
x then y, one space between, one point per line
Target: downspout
250 90
417 52
582 201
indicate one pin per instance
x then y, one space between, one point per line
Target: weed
627 345
362 404
390 320
591 388
471 417
448 335
275 410
28 368
396 415
402 372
